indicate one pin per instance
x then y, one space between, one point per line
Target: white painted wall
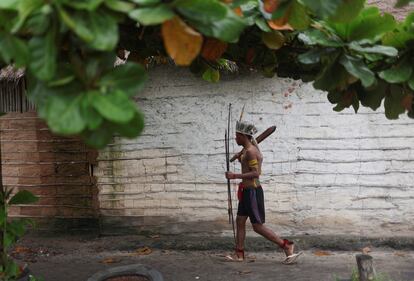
324 172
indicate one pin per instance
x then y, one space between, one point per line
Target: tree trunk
365 268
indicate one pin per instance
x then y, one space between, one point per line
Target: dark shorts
252 205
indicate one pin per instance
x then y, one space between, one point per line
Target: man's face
239 138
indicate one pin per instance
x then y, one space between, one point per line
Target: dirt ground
75 258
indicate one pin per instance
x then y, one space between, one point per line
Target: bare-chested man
251 199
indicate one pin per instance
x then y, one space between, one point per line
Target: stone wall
388 6
324 172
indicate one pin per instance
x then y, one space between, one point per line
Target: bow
227 148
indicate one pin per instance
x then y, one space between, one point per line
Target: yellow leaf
273 40
19 250
110 260
182 43
281 23
270 5
238 11
142 251
407 102
400 254
321 253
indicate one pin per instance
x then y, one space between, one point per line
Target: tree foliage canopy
358 54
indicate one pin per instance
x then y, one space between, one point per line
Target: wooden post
365 268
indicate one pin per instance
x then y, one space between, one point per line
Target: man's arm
253 172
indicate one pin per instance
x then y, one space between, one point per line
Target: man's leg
271 236
241 232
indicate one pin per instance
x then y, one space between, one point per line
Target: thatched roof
13 91
9 73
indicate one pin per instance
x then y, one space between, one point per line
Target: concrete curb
134 269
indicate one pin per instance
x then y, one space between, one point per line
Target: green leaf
77 24
43 56
12 269
212 18
298 16
23 197
205 12
8 240
348 10
357 68
211 75
397 74
129 77
98 29
376 49
262 24
401 35
152 15
61 81
133 128
3 216
371 24
119 5
311 57
90 115
323 8
411 82
16 228
90 5
228 29
333 77
146 2
273 40
372 98
38 23
355 103
397 39
98 138
9 4
105 30
64 114
392 103
25 8
13 50
115 106
317 37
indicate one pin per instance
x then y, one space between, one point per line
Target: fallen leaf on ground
400 254
20 250
251 258
142 251
110 260
242 272
322 253
366 250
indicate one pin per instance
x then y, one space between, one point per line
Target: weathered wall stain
324 172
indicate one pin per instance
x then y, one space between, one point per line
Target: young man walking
251 198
